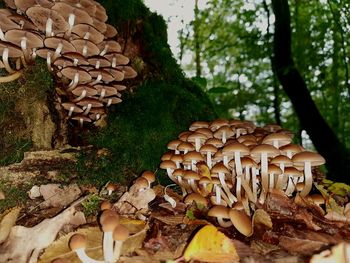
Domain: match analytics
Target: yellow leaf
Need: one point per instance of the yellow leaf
(204, 171)
(339, 189)
(8, 220)
(210, 245)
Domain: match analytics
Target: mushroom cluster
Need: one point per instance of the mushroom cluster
(233, 163)
(78, 45)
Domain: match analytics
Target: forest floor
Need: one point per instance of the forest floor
(283, 229)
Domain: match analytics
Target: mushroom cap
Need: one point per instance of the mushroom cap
(23, 5)
(317, 199)
(106, 76)
(189, 174)
(111, 186)
(292, 171)
(216, 124)
(108, 213)
(111, 45)
(77, 241)
(14, 51)
(76, 56)
(119, 58)
(246, 137)
(104, 62)
(120, 233)
(315, 159)
(112, 100)
(107, 89)
(183, 146)
(241, 221)
(273, 169)
(39, 15)
(219, 211)
(167, 164)
(99, 25)
(10, 3)
(111, 31)
(214, 141)
(177, 158)
(53, 42)
(264, 148)
(208, 148)
(68, 105)
(196, 135)
(272, 127)
(167, 156)
(206, 131)
(195, 197)
(149, 175)
(128, 72)
(293, 148)
(21, 20)
(118, 86)
(248, 162)
(85, 44)
(281, 159)
(183, 135)
(90, 90)
(220, 168)
(81, 117)
(172, 145)
(105, 205)
(225, 129)
(66, 10)
(70, 71)
(193, 156)
(45, 52)
(7, 23)
(100, 12)
(178, 172)
(15, 36)
(236, 147)
(87, 101)
(281, 138)
(116, 73)
(141, 183)
(109, 223)
(82, 30)
(198, 124)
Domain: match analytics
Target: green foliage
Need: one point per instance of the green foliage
(140, 128)
(15, 195)
(91, 205)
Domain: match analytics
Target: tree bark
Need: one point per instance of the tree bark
(322, 136)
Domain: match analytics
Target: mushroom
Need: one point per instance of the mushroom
(76, 75)
(191, 177)
(59, 44)
(172, 145)
(77, 243)
(109, 46)
(221, 213)
(85, 47)
(149, 176)
(140, 184)
(120, 234)
(198, 124)
(105, 205)
(86, 31)
(117, 59)
(197, 198)
(209, 150)
(223, 133)
(293, 175)
(277, 139)
(178, 174)
(241, 221)
(72, 108)
(273, 171)
(108, 225)
(82, 91)
(222, 170)
(282, 161)
(290, 149)
(170, 166)
(193, 157)
(197, 139)
(111, 187)
(216, 124)
(9, 50)
(264, 151)
(307, 159)
(177, 159)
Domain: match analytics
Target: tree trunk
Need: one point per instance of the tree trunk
(324, 139)
(196, 40)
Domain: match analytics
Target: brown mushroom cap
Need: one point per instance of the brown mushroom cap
(76, 56)
(77, 241)
(92, 101)
(219, 211)
(195, 197)
(183, 135)
(216, 124)
(241, 221)
(292, 148)
(23, 5)
(53, 42)
(220, 168)
(281, 159)
(69, 105)
(214, 141)
(66, 10)
(167, 164)
(85, 47)
(33, 40)
(150, 176)
(111, 31)
(117, 59)
(129, 72)
(117, 74)
(193, 156)
(167, 156)
(99, 60)
(109, 223)
(314, 158)
(277, 139)
(110, 46)
(14, 51)
(120, 233)
(106, 76)
(198, 124)
(87, 31)
(106, 214)
(185, 146)
(39, 16)
(189, 174)
(105, 205)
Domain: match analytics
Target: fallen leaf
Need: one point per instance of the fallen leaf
(300, 246)
(338, 254)
(8, 220)
(210, 245)
(339, 189)
(261, 220)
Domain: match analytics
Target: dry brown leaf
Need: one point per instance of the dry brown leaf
(300, 246)
(261, 220)
(262, 247)
(8, 220)
(339, 254)
(170, 220)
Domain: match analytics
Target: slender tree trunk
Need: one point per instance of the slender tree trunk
(196, 40)
(276, 88)
(324, 139)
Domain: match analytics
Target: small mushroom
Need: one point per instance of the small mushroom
(221, 213)
(197, 198)
(120, 234)
(241, 221)
(111, 187)
(77, 243)
(108, 226)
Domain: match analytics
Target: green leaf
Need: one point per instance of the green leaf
(201, 82)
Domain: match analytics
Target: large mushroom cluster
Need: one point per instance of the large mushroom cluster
(78, 45)
(233, 163)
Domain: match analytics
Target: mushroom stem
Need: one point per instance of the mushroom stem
(5, 60)
(82, 96)
(238, 187)
(18, 64)
(254, 185)
(57, 52)
(247, 190)
(108, 246)
(48, 61)
(279, 183)
(11, 77)
(194, 187)
(291, 185)
(104, 51)
(225, 160)
(264, 177)
(230, 196)
(24, 48)
(197, 143)
(48, 29)
(209, 163)
(117, 249)
(97, 80)
(87, 109)
(238, 164)
(224, 223)
(74, 82)
(183, 188)
(2, 35)
(218, 194)
(109, 102)
(24, 62)
(308, 179)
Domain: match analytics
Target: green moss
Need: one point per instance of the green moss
(16, 99)
(15, 195)
(140, 128)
